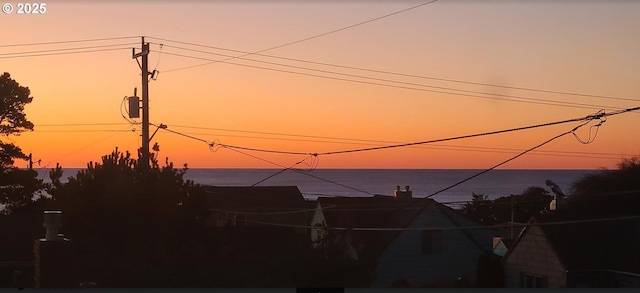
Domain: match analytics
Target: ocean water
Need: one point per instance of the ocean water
(366, 182)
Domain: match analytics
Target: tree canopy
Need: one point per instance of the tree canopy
(626, 178)
(17, 187)
(605, 193)
(490, 212)
(608, 193)
(13, 120)
(124, 220)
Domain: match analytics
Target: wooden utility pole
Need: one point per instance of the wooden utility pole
(144, 160)
(511, 217)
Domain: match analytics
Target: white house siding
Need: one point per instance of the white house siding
(498, 247)
(318, 220)
(403, 258)
(534, 255)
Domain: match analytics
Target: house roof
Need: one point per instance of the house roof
(595, 233)
(608, 245)
(255, 198)
(371, 212)
(382, 212)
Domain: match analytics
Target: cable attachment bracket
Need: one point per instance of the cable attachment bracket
(602, 116)
(214, 145)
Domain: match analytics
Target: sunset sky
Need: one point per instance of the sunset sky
(354, 80)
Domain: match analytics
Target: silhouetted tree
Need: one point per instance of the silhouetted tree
(17, 187)
(625, 178)
(525, 205)
(480, 209)
(124, 220)
(21, 193)
(608, 192)
(13, 120)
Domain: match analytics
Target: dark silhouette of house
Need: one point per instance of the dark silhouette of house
(593, 242)
(414, 242)
(17, 233)
(258, 206)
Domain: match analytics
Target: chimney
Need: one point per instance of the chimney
(52, 222)
(403, 194)
(53, 263)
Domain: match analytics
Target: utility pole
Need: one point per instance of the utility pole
(511, 217)
(144, 159)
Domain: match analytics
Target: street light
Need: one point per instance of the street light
(558, 196)
(154, 133)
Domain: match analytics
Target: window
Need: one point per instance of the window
(221, 219)
(241, 220)
(531, 281)
(431, 241)
(236, 219)
(231, 219)
(624, 284)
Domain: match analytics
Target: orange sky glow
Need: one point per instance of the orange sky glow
(457, 68)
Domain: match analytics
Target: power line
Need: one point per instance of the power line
(64, 49)
(446, 228)
(312, 37)
(394, 81)
(265, 150)
(278, 134)
(64, 53)
(523, 99)
(395, 73)
(68, 41)
(599, 115)
(292, 59)
(383, 206)
(256, 157)
(343, 140)
(552, 153)
(84, 147)
(366, 207)
(264, 213)
(80, 124)
(304, 173)
(333, 182)
(279, 172)
(84, 130)
(508, 160)
(603, 119)
(182, 134)
(213, 144)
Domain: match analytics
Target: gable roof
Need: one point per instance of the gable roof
(255, 198)
(385, 212)
(599, 234)
(610, 245)
(371, 212)
(475, 235)
(594, 233)
(593, 241)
